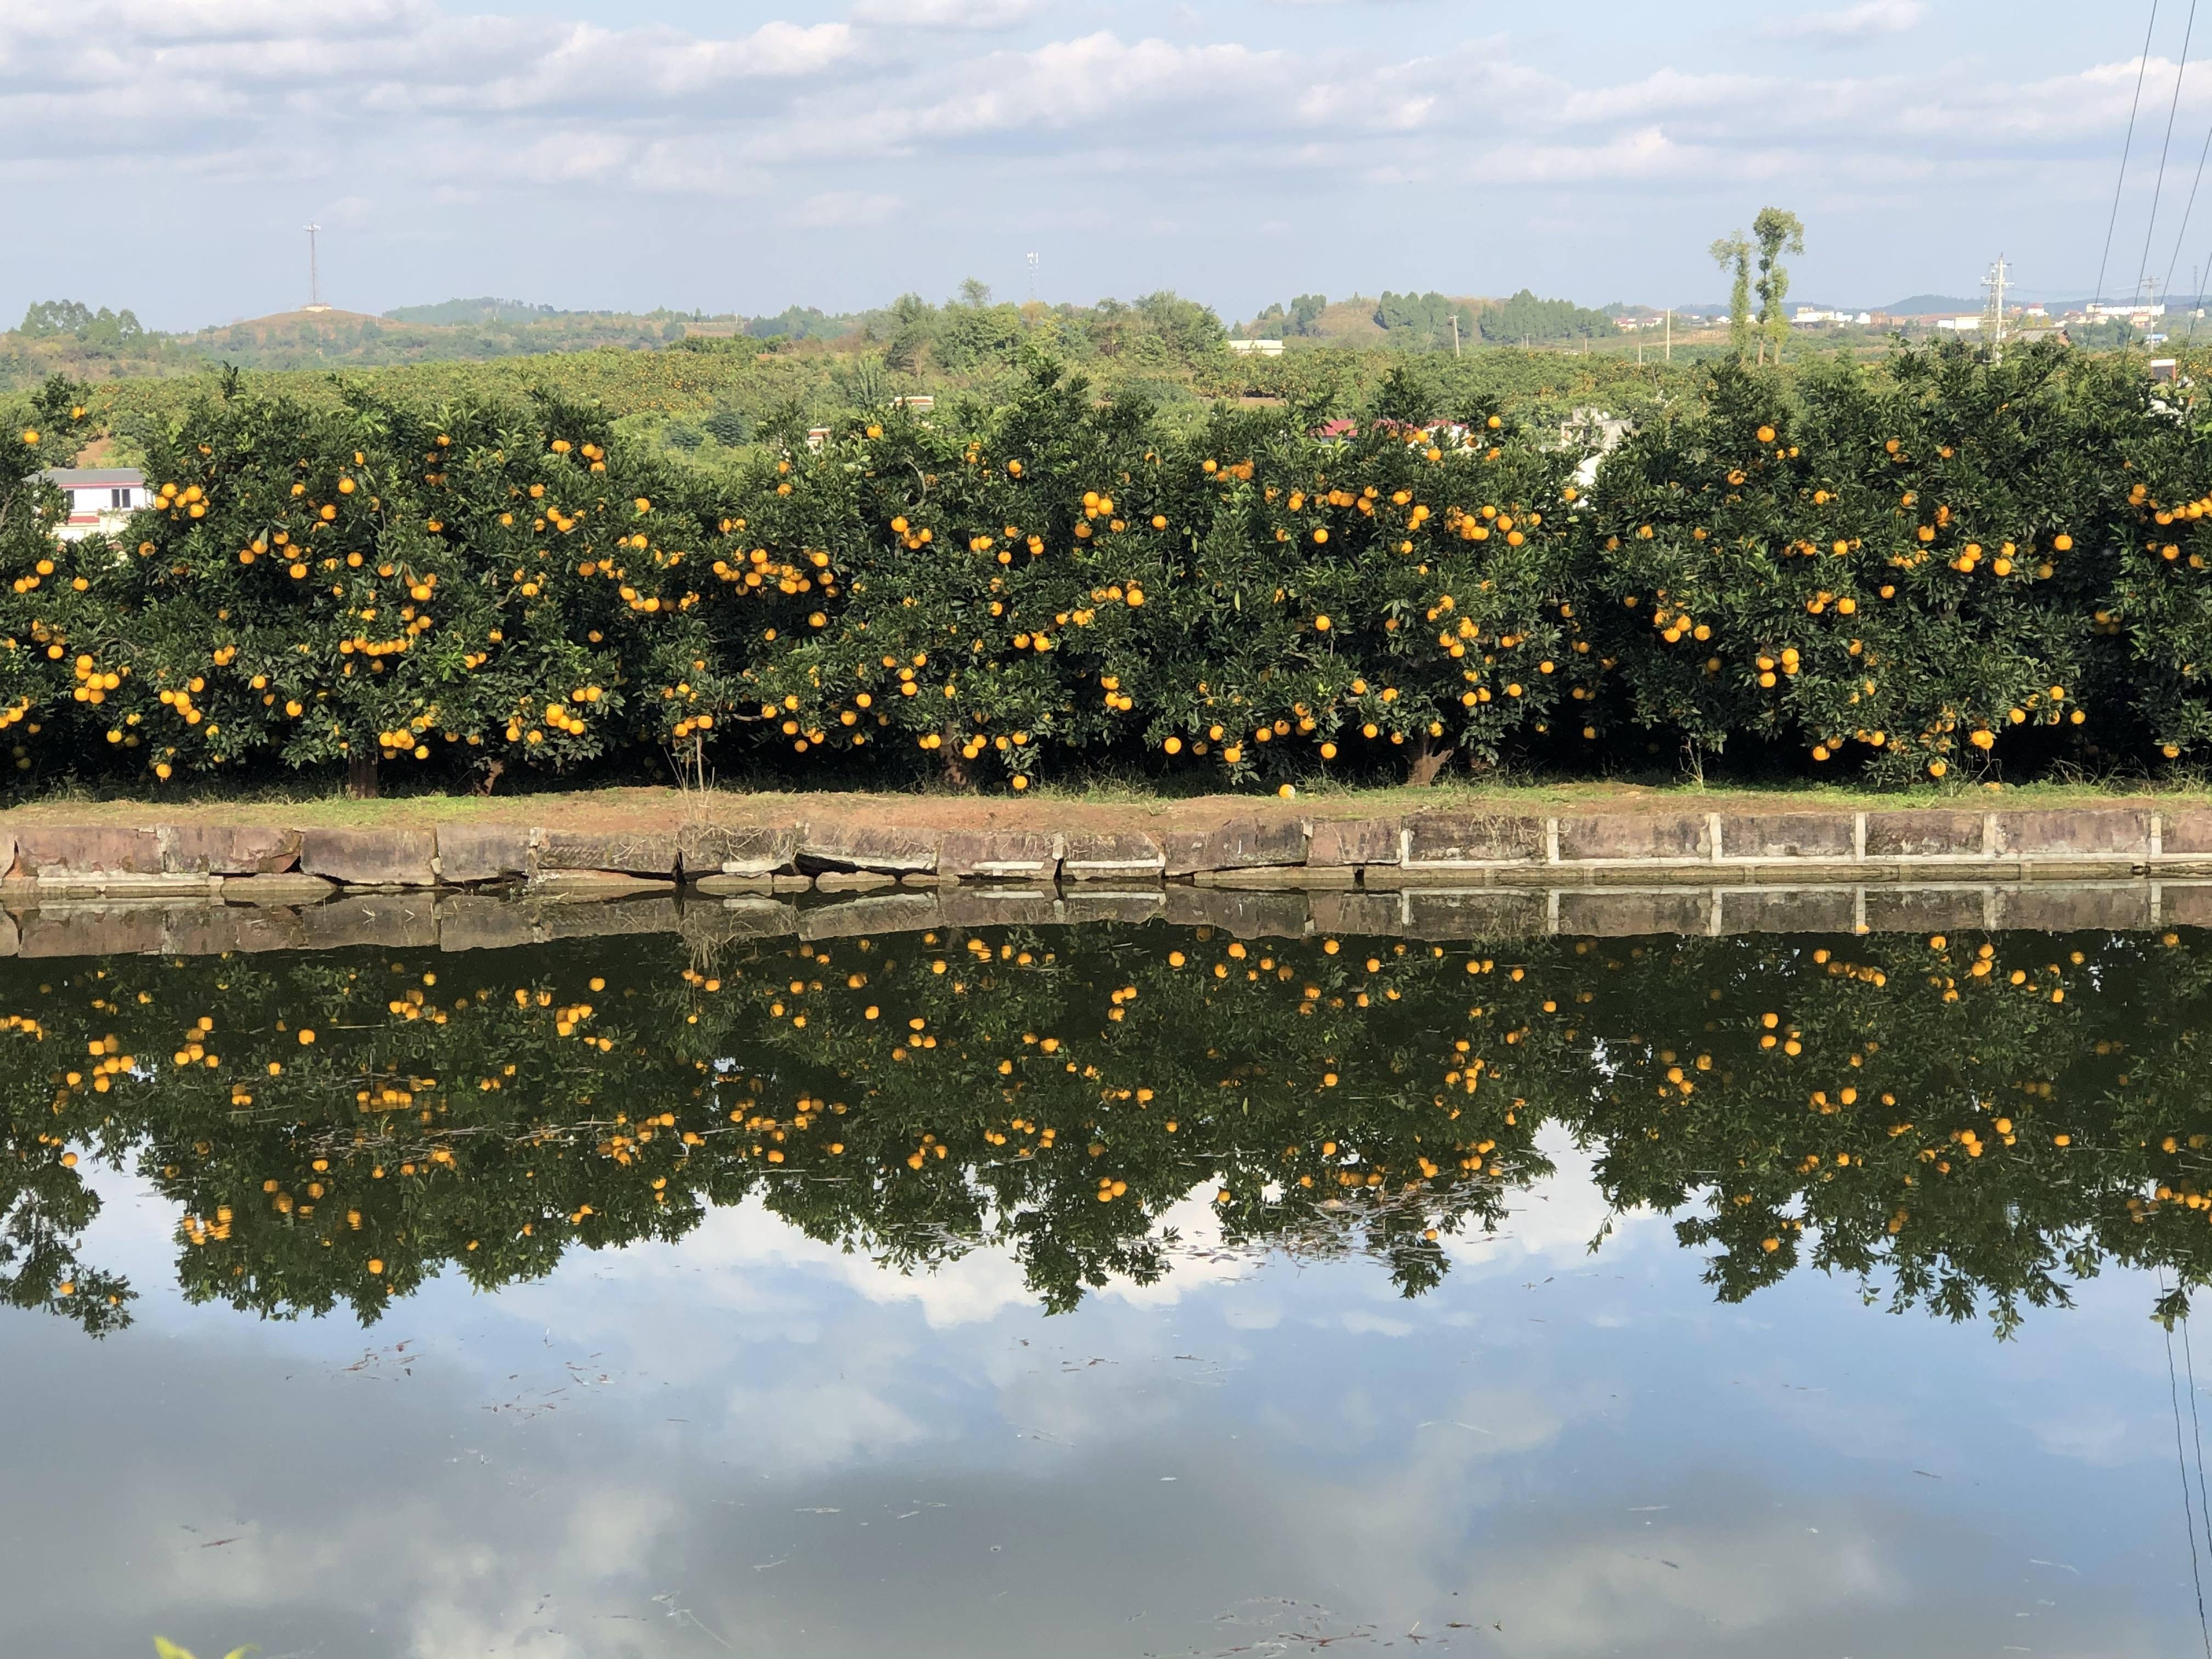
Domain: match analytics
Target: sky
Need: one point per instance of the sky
(747, 154)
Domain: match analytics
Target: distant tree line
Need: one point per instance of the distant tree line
(1424, 322)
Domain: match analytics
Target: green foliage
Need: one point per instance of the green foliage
(1732, 253)
(47, 318)
(1778, 232)
(1423, 322)
(1525, 319)
(727, 427)
(1298, 321)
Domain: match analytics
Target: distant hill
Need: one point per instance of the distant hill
(447, 313)
(1928, 304)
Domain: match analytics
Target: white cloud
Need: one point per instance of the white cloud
(459, 130)
(945, 14)
(1865, 22)
(1074, 83)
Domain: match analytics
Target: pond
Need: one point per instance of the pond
(1112, 1289)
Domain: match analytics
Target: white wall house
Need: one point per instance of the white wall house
(99, 497)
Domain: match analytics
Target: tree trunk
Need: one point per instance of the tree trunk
(360, 775)
(1426, 760)
(957, 773)
(487, 775)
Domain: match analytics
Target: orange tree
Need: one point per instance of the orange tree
(1947, 566)
(371, 582)
(1068, 577)
(35, 678)
(1903, 571)
(1428, 573)
(991, 576)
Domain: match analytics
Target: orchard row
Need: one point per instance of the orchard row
(1938, 568)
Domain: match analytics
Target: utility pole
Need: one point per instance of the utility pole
(1454, 334)
(1993, 286)
(314, 272)
(1670, 334)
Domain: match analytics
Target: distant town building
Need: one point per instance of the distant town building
(2135, 310)
(1959, 324)
(1812, 316)
(99, 497)
(1256, 348)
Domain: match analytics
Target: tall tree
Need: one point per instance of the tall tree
(1732, 252)
(1779, 232)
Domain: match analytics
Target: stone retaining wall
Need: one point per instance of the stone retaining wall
(1737, 847)
(456, 921)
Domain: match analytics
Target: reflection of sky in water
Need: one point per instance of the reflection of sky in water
(754, 1444)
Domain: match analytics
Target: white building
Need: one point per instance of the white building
(1959, 324)
(100, 498)
(1256, 348)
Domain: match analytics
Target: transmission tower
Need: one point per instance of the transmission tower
(1993, 311)
(314, 272)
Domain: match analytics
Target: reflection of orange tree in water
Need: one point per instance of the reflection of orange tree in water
(339, 1133)
(1978, 1126)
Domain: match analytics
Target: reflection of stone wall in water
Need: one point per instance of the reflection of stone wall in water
(1972, 1120)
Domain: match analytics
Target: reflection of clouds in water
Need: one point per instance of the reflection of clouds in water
(1557, 1218)
(816, 1425)
(723, 1262)
(1613, 1590)
(2108, 1442)
(731, 1247)
(1327, 1440)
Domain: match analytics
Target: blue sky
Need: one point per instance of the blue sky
(747, 155)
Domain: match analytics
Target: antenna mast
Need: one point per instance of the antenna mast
(314, 272)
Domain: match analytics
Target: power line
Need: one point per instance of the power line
(2126, 145)
(2197, 1430)
(2181, 1460)
(2180, 69)
(2182, 235)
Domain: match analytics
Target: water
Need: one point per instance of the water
(616, 1298)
